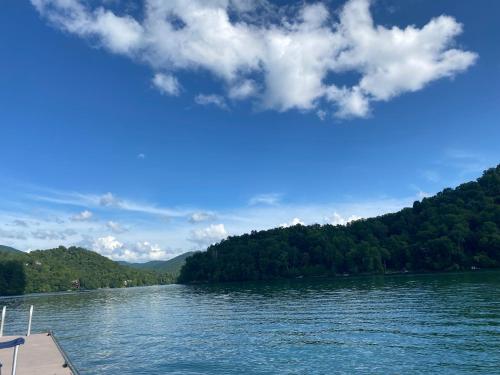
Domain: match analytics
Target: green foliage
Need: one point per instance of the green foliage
(8, 249)
(71, 268)
(12, 277)
(455, 230)
(172, 266)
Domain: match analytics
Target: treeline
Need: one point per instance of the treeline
(71, 268)
(458, 229)
(172, 266)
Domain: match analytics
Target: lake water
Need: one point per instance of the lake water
(446, 324)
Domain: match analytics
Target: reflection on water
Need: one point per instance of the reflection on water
(447, 324)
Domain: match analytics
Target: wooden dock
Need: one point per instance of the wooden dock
(40, 355)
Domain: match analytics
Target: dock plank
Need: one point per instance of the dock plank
(38, 356)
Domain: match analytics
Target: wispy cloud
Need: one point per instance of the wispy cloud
(467, 161)
(431, 175)
(199, 217)
(128, 230)
(212, 99)
(107, 200)
(270, 199)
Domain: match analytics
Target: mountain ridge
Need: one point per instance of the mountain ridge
(8, 249)
(72, 268)
(456, 229)
(171, 266)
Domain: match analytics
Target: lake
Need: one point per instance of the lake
(418, 324)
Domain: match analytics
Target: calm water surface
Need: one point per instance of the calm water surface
(446, 324)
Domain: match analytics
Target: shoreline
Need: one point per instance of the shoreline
(339, 277)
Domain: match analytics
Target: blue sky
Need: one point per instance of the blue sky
(145, 129)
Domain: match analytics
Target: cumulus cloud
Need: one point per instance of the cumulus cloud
(295, 221)
(209, 235)
(107, 244)
(82, 216)
(337, 219)
(294, 56)
(112, 248)
(167, 84)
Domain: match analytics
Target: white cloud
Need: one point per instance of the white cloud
(167, 84)
(265, 199)
(243, 90)
(109, 199)
(112, 248)
(295, 221)
(209, 235)
(82, 216)
(295, 53)
(211, 99)
(119, 34)
(337, 219)
(141, 156)
(148, 251)
(107, 246)
(198, 217)
(135, 223)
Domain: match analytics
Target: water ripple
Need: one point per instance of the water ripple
(447, 324)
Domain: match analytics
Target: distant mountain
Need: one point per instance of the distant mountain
(64, 269)
(457, 229)
(172, 266)
(8, 249)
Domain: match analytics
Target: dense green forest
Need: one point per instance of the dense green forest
(458, 229)
(63, 269)
(172, 266)
(8, 249)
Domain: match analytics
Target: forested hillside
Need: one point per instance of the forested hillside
(172, 266)
(63, 269)
(457, 229)
(8, 249)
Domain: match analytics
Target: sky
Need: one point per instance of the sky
(144, 129)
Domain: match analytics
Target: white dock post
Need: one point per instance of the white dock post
(14, 360)
(29, 322)
(3, 320)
